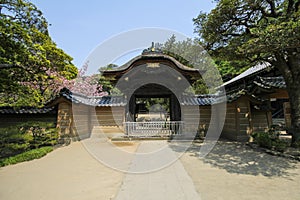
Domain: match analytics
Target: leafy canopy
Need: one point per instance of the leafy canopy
(26, 53)
(252, 30)
(258, 31)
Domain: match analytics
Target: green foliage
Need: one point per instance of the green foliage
(230, 69)
(250, 29)
(296, 144)
(107, 86)
(263, 139)
(189, 52)
(25, 44)
(155, 104)
(255, 31)
(270, 140)
(26, 156)
(17, 139)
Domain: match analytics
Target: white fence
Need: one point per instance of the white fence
(152, 129)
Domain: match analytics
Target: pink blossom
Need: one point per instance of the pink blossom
(86, 85)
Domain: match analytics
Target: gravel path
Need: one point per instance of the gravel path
(67, 173)
(230, 171)
(234, 171)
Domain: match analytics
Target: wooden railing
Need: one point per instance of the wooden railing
(153, 129)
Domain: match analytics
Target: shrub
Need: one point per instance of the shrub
(297, 144)
(13, 141)
(270, 140)
(263, 139)
(280, 145)
(26, 156)
(23, 137)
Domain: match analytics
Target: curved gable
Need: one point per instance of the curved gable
(153, 60)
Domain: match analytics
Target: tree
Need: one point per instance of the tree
(83, 84)
(107, 86)
(26, 53)
(258, 31)
(191, 54)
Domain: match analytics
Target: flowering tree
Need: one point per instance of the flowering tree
(26, 52)
(86, 85)
(54, 82)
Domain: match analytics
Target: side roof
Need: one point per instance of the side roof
(252, 71)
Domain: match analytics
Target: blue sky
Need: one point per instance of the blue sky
(80, 26)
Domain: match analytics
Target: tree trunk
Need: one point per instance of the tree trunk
(289, 67)
(294, 94)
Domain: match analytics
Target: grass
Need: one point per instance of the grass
(26, 156)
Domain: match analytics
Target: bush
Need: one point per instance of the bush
(26, 136)
(263, 139)
(26, 156)
(270, 140)
(44, 134)
(13, 141)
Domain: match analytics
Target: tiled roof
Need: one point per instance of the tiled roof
(94, 101)
(202, 100)
(251, 71)
(151, 55)
(261, 82)
(271, 82)
(191, 101)
(26, 110)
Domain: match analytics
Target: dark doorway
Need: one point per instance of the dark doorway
(153, 102)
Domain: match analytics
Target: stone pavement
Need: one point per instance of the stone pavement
(168, 181)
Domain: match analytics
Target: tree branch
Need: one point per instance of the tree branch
(290, 7)
(297, 6)
(284, 68)
(272, 7)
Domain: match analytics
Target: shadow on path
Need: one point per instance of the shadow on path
(239, 158)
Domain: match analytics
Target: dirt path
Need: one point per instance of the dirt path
(67, 173)
(231, 171)
(235, 172)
